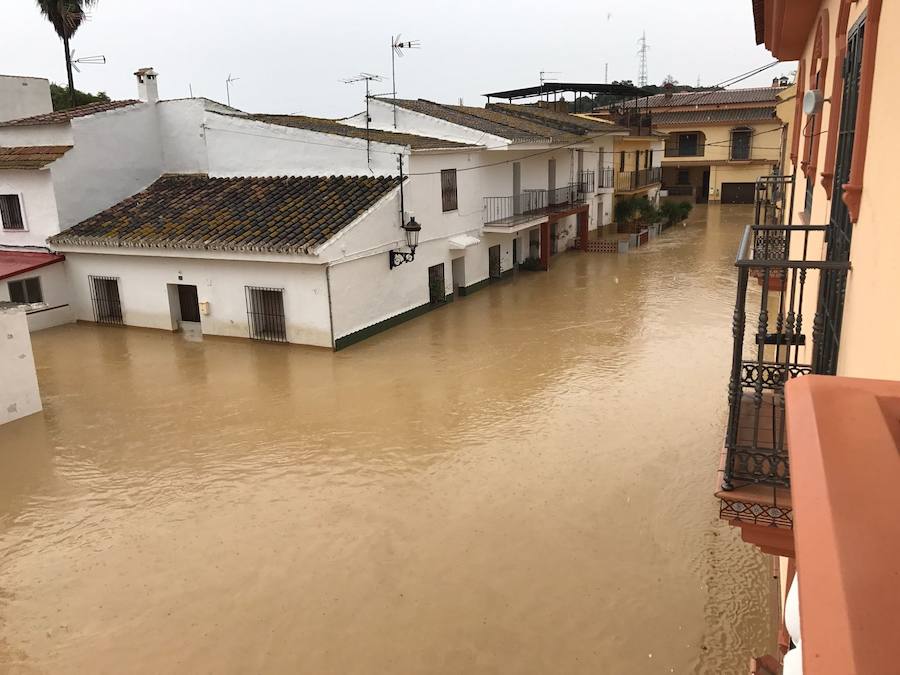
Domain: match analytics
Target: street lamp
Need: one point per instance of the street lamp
(412, 229)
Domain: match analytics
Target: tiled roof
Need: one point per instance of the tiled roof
(327, 126)
(61, 116)
(283, 215)
(562, 120)
(19, 262)
(497, 120)
(665, 119)
(31, 157)
(714, 97)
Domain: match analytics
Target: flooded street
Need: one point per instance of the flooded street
(519, 482)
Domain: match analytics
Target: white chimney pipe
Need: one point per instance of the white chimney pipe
(147, 86)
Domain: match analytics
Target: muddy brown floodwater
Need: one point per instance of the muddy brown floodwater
(519, 482)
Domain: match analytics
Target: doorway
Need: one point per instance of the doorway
(554, 244)
(458, 270)
(515, 260)
(703, 197)
(494, 262)
(838, 235)
(188, 303)
(436, 288)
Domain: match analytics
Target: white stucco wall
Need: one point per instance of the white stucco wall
(23, 97)
(182, 135)
(241, 147)
(19, 394)
(57, 309)
(117, 154)
(36, 197)
(41, 134)
(144, 292)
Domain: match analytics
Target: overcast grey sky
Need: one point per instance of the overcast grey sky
(291, 55)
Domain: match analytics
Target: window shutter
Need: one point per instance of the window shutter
(33, 289)
(448, 190)
(11, 213)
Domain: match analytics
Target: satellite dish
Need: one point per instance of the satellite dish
(812, 101)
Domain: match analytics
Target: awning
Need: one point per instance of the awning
(463, 241)
(19, 262)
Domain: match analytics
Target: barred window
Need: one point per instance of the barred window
(265, 314)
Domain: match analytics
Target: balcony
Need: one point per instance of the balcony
(756, 473)
(585, 182)
(696, 148)
(631, 181)
(515, 210)
(606, 178)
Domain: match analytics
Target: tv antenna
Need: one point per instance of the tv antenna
(367, 78)
(548, 76)
(98, 60)
(228, 81)
(397, 47)
(642, 52)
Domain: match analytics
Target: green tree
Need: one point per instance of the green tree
(66, 16)
(63, 100)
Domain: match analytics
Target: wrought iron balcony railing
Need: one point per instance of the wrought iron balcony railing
(585, 182)
(697, 149)
(530, 204)
(773, 193)
(606, 178)
(627, 181)
(765, 358)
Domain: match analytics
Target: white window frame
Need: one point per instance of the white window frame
(21, 210)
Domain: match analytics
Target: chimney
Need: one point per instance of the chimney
(776, 82)
(147, 86)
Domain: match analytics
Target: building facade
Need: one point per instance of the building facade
(492, 189)
(811, 447)
(719, 141)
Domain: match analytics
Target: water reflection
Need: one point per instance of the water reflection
(517, 482)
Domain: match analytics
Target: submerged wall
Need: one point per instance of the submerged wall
(19, 394)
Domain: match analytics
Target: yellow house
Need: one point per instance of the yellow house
(811, 462)
(635, 167)
(719, 141)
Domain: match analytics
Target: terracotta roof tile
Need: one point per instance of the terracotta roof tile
(516, 123)
(327, 126)
(713, 97)
(62, 116)
(664, 119)
(31, 157)
(283, 215)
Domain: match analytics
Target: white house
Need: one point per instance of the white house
(24, 97)
(295, 228)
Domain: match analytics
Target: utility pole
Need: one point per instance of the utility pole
(642, 72)
(606, 73)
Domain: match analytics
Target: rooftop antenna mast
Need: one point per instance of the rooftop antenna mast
(98, 60)
(642, 52)
(366, 77)
(228, 82)
(548, 76)
(397, 47)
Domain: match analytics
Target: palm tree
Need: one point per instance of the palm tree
(66, 17)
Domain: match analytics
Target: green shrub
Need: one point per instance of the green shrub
(624, 210)
(684, 210)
